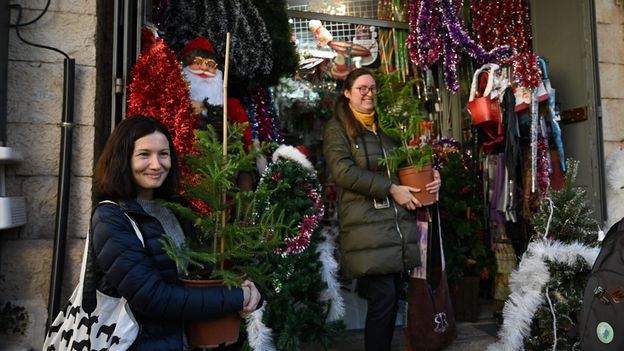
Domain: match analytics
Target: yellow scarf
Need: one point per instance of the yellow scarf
(367, 119)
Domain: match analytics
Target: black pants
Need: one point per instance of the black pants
(383, 293)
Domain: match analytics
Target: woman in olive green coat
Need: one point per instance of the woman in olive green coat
(378, 233)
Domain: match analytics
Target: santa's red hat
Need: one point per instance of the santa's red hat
(303, 150)
(197, 43)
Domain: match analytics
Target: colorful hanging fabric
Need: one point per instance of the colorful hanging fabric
(554, 118)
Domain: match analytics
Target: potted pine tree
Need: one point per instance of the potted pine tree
(230, 237)
(400, 117)
(467, 256)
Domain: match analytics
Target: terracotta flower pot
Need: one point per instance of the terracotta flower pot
(211, 333)
(408, 176)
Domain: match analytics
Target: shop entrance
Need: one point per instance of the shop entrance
(564, 32)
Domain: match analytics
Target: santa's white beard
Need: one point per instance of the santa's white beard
(202, 88)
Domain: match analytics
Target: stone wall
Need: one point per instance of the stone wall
(35, 96)
(610, 18)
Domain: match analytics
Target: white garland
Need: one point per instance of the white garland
(260, 336)
(527, 283)
(329, 274)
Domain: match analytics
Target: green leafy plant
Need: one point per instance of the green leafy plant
(227, 229)
(399, 117)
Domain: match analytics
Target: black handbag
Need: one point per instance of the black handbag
(431, 323)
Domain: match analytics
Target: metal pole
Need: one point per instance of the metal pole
(62, 204)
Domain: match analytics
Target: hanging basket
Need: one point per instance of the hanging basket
(211, 333)
(410, 177)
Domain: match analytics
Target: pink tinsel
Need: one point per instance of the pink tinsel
(542, 166)
(307, 225)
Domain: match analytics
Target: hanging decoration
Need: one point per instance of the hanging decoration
(250, 46)
(158, 89)
(534, 137)
(367, 37)
(526, 70)
(248, 104)
(269, 130)
(499, 23)
(386, 48)
(435, 29)
(275, 16)
(543, 166)
(343, 62)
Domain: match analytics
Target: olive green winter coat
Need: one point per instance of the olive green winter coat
(372, 241)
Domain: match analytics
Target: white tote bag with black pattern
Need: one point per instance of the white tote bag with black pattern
(110, 326)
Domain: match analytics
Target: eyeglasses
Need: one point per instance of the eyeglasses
(365, 90)
(199, 61)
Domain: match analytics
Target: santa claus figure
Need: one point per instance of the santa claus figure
(202, 69)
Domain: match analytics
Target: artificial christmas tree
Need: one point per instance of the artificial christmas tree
(547, 288)
(304, 304)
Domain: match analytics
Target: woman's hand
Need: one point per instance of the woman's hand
(251, 299)
(434, 187)
(402, 194)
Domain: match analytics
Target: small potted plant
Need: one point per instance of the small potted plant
(230, 236)
(400, 117)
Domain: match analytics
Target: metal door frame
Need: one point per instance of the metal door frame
(130, 15)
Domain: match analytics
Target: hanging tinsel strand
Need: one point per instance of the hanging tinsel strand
(435, 29)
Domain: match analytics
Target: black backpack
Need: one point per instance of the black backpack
(603, 301)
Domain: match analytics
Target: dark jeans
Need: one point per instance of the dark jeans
(383, 293)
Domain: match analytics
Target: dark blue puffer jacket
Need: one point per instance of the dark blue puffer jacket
(148, 278)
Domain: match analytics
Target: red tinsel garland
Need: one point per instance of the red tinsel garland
(507, 22)
(500, 23)
(526, 70)
(543, 166)
(159, 90)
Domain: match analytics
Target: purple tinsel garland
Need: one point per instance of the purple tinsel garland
(448, 142)
(435, 29)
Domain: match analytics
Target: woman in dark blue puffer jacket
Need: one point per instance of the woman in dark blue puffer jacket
(138, 165)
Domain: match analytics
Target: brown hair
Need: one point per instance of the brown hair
(354, 128)
(113, 179)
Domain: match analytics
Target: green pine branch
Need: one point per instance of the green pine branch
(244, 235)
(399, 116)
